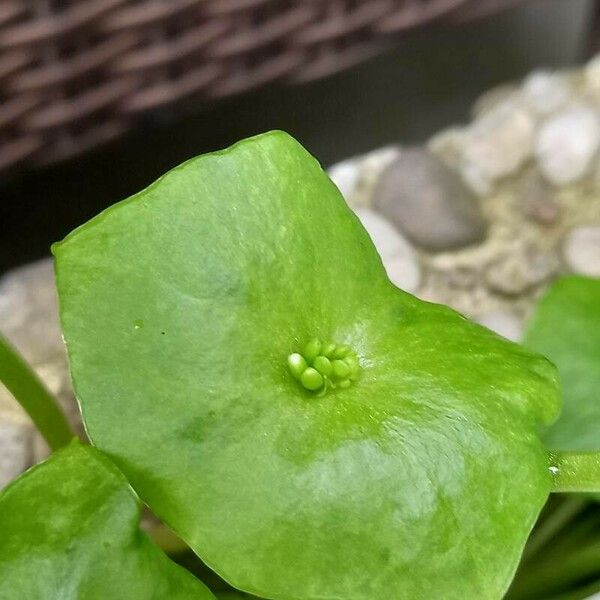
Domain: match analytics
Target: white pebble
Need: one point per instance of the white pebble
(500, 141)
(582, 250)
(476, 180)
(403, 271)
(377, 160)
(495, 97)
(447, 145)
(345, 176)
(567, 144)
(546, 92)
(592, 74)
(398, 256)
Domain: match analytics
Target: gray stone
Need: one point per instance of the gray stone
(429, 202)
(582, 250)
(372, 165)
(398, 256)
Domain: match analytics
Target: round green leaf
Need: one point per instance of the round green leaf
(418, 477)
(566, 329)
(69, 529)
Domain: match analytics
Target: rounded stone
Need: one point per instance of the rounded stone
(345, 175)
(475, 178)
(495, 97)
(592, 74)
(398, 256)
(500, 141)
(29, 311)
(567, 143)
(582, 250)
(546, 92)
(429, 203)
(447, 145)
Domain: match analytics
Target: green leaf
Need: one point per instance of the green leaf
(414, 470)
(69, 530)
(566, 329)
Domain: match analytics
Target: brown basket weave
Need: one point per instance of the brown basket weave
(77, 73)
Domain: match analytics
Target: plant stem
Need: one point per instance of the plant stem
(22, 382)
(575, 471)
(166, 539)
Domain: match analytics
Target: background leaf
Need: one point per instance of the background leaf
(180, 307)
(70, 531)
(566, 329)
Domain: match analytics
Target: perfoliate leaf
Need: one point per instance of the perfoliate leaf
(405, 466)
(69, 530)
(566, 329)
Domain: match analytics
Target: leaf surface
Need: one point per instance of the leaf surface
(69, 530)
(180, 306)
(566, 329)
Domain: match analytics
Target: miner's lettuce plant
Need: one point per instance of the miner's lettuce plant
(308, 429)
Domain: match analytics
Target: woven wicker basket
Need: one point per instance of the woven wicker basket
(77, 73)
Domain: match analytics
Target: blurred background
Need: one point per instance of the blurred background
(99, 97)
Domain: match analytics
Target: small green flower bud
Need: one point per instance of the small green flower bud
(323, 365)
(328, 349)
(341, 352)
(296, 364)
(311, 379)
(340, 369)
(352, 362)
(312, 350)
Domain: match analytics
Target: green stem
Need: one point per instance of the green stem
(575, 471)
(166, 539)
(30, 393)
